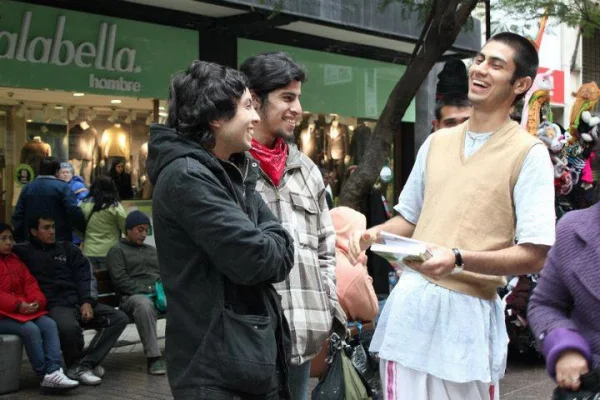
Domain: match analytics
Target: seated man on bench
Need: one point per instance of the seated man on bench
(133, 268)
(65, 276)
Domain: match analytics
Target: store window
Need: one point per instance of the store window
(97, 135)
(337, 144)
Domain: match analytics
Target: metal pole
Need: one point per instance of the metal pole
(488, 20)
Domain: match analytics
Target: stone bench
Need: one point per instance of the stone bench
(11, 354)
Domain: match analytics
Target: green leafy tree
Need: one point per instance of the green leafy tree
(583, 14)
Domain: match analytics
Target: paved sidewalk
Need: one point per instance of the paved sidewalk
(126, 377)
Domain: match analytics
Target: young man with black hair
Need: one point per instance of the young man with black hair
(47, 194)
(219, 247)
(451, 110)
(66, 278)
(474, 190)
(292, 186)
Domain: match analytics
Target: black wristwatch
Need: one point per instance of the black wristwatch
(459, 265)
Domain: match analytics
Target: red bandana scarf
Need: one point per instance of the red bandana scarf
(272, 161)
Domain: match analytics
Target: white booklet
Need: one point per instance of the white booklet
(397, 249)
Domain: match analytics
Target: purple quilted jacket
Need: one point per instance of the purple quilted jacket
(564, 310)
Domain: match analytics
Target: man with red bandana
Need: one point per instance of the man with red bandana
(292, 186)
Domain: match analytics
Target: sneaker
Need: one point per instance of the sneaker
(99, 371)
(57, 381)
(84, 376)
(156, 366)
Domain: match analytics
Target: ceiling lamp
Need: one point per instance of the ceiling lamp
(114, 116)
(72, 113)
(46, 112)
(78, 94)
(131, 116)
(20, 110)
(91, 114)
(115, 101)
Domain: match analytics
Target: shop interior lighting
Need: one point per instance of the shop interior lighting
(115, 101)
(58, 107)
(161, 108)
(29, 120)
(114, 116)
(91, 114)
(46, 112)
(78, 94)
(20, 110)
(131, 116)
(72, 113)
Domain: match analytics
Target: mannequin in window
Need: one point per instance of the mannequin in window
(121, 178)
(83, 150)
(337, 141)
(33, 151)
(307, 141)
(115, 145)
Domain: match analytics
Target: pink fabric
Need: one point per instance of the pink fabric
(391, 381)
(354, 285)
(587, 175)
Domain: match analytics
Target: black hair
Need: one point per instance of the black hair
(103, 192)
(457, 99)
(526, 57)
(5, 227)
(267, 72)
(49, 166)
(203, 93)
(34, 222)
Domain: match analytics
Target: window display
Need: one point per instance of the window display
(95, 141)
(337, 144)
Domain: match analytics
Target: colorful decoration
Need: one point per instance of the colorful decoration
(537, 103)
(570, 149)
(585, 99)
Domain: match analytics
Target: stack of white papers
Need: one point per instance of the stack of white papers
(397, 249)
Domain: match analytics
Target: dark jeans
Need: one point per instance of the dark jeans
(99, 263)
(40, 338)
(300, 381)
(108, 322)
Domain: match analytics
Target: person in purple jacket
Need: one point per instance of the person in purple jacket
(564, 310)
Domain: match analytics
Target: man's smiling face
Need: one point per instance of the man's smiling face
(491, 76)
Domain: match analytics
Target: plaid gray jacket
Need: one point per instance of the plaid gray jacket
(308, 294)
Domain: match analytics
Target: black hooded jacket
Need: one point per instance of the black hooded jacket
(62, 271)
(219, 250)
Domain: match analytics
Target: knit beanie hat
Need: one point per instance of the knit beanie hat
(136, 218)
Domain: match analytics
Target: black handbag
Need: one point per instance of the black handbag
(331, 386)
(589, 390)
(343, 380)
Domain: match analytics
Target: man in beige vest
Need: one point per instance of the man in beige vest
(475, 190)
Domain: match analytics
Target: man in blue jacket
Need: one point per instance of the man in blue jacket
(50, 196)
(65, 276)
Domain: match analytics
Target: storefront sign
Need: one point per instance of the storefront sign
(43, 47)
(337, 84)
(23, 174)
